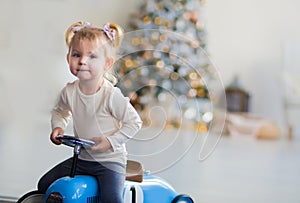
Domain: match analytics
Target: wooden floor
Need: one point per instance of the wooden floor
(239, 168)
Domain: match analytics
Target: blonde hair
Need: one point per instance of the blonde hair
(84, 30)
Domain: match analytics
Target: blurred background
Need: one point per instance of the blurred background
(252, 46)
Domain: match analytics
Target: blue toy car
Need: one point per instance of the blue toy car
(140, 187)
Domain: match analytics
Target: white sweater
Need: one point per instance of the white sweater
(105, 113)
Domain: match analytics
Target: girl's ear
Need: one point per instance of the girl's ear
(67, 57)
(109, 63)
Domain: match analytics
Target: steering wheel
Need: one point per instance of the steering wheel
(72, 141)
(77, 144)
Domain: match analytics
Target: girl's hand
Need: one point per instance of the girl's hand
(102, 144)
(55, 132)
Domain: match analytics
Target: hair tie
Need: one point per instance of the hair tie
(109, 32)
(79, 27)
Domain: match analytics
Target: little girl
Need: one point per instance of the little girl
(99, 110)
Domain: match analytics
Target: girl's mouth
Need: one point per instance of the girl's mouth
(82, 69)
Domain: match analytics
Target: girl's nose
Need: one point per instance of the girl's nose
(83, 60)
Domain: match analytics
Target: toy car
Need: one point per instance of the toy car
(140, 186)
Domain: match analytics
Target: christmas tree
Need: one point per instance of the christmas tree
(164, 62)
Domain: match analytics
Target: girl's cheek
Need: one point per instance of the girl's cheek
(73, 69)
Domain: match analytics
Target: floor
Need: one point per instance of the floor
(227, 169)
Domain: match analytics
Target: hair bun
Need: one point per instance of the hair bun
(70, 32)
(118, 33)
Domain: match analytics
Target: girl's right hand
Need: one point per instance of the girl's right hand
(55, 132)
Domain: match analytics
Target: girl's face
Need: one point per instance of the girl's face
(87, 60)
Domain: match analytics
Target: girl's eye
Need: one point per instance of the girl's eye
(76, 55)
(93, 56)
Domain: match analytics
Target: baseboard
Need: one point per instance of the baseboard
(7, 199)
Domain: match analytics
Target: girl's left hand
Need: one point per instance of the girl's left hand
(102, 144)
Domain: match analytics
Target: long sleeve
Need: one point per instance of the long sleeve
(61, 113)
(124, 112)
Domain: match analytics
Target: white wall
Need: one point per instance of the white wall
(32, 51)
(247, 38)
(244, 38)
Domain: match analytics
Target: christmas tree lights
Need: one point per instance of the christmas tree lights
(163, 62)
